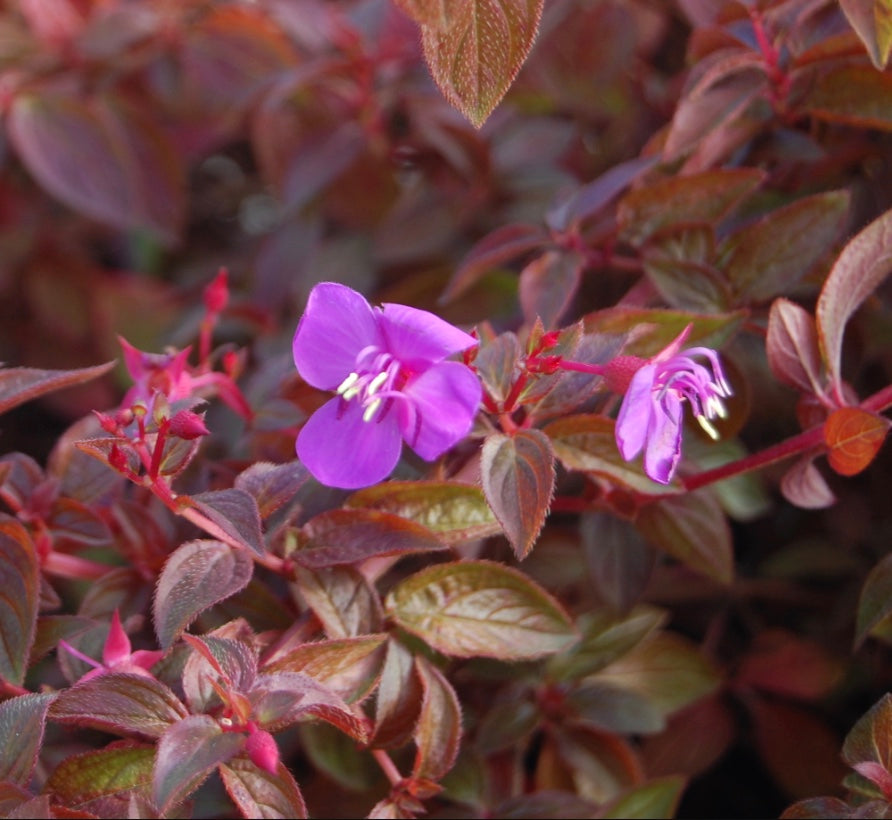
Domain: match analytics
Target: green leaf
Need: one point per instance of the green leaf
(666, 668)
(187, 753)
(349, 536)
(119, 703)
(768, 257)
(117, 769)
(863, 264)
(476, 55)
(196, 576)
(684, 201)
(692, 528)
(657, 798)
(438, 731)
(518, 481)
(350, 667)
(875, 602)
(587, 443)
(473, 608)
(21, 384)
(341, 598)
(233, 510)
(258, 793)
(453, 511)
(19, 579)
(22, 722)
(614, 709)
(604, 640)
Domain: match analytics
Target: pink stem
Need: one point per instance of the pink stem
(72, 566)
(388, 766)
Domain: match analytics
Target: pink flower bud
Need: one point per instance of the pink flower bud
(188, 425)
(216, 294)
(262, 750)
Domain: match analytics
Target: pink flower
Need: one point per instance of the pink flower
(388, 368)
(650, 418)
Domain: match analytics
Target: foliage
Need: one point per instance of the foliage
(593, 196)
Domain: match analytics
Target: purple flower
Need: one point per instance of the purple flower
(650, 418)
(387, 366)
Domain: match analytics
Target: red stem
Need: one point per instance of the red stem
(388, 766)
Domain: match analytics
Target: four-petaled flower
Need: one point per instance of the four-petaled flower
(388, 367)
(650, 417)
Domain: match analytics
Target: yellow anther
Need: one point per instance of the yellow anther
(345, 386)
(371, 410)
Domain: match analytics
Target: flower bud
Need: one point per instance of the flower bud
(188, 425)
(262, 749)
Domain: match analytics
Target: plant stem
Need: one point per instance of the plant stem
(388, 766)
(73, 566)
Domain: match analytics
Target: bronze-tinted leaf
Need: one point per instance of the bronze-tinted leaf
(341, 598)
(483, 608)
(518, 480)
(197, 576)
(22, 722)
(233, 510)
(259, 793)
(119, 768)
(399, 698)
(854, 437)
(21, 384)
(18, 607)
(792, 347)
(438, 731)
(476, 55)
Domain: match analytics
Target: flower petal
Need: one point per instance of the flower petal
(445, 399)
(419, 337)
(342, 450)
(338, 322)
(634, 417)
(664, 440)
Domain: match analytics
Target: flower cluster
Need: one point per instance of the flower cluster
(388, 368)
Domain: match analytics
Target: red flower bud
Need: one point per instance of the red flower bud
(619, 372)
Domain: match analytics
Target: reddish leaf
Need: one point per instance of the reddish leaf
(792, 347)
(861, 267)
(258, 793)
(272, 485)
(348, 536)
(496, 364)
(22, 722)
(799, 750)
(233, 510)
(197, 576)
(854, 437)
(453, 511)
(548, 285)
(282, 698)
(518, 480)
(768, 257)
(341, 598)
(676, 202)
(119, 703)
(804, 486)
(399, 698)
(18, 616)
(117, 769)
(476, 56)
(438, 731)
(21, 384)
(613, 709)
(872, 20)
(853, 93)
(480, 608)
(781, 662)
(692, 528)
(101, 156)
(502, 245)
(350, 667)
(227, 661)
(187, 753)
